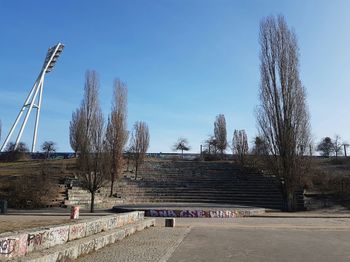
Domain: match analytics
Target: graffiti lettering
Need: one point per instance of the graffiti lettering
(7, 246)
(192, 213)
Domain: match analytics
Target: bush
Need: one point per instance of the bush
(30, 191)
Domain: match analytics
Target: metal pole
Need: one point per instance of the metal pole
(37, 116)
(31, 98)
(19, 116)
(28, 113)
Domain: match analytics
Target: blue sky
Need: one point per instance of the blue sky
(184, 62)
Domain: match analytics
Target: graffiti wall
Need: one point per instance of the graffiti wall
(13, 246)
(39, 240)
(20, 243)
(193, 213)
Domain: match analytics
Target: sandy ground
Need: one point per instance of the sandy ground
(24, 219)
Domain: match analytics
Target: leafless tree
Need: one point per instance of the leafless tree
(282, 117)
(14, 153)
(117, 134)
(75, 130)
(139, 143)
(48, 147)
(92, 158)
(182, 145)
(337, 146)
(129, 154)
(210, 145)
(240, 145)
(0, 129)
(220, 133)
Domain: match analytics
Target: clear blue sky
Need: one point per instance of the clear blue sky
(184, 62)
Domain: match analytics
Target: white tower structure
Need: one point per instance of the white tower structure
(34, 98)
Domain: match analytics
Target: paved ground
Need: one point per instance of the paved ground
(150, 245)
(233, 244)
(241, 239)
(274, 237)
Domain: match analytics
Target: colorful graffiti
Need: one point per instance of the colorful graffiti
(192, 213)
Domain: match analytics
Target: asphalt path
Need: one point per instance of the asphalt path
(240, 239)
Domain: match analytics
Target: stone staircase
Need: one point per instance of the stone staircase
(77, 196)
(200, 182)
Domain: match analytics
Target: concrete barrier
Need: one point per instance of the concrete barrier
(194, 213)
(20, 243)
(39, 239)
(83, 246)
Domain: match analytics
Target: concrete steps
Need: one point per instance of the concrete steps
(202, 182)
(68, 241)
(74, 249)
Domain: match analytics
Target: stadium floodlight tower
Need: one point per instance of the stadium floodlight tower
(35, 97)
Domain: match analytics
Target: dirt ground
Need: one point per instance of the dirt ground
(14, 223)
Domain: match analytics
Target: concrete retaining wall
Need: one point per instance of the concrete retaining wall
(16, 244)
(204, 213)
(73, 250)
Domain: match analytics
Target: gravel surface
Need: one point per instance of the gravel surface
(153, 244)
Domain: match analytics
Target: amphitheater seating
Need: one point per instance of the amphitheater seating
(200, 182)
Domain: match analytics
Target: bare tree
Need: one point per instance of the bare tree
(129, 154)
(211, 145)
(48, 147)
(337, 146)
(92, 158)
(14, 153)
(240, 145)
(182, 145)
(220, 133)
(326, 147)
(117, 134)
(75, 130)
(282, 116)
(139, 143)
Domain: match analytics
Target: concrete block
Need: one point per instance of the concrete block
(170, 222)
(94, 227)
(85, 247)
(77, 231)
(111, 222)
(13, 246)
(17, 244)
(39, 239)
(130, 229)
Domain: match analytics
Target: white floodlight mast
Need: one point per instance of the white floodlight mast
(35, 97)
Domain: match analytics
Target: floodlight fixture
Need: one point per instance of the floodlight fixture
(34, 98)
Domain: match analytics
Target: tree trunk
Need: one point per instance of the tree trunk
(92, 204)
(136, 170)
(127, 166)
(112, 186)
(290, 202)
